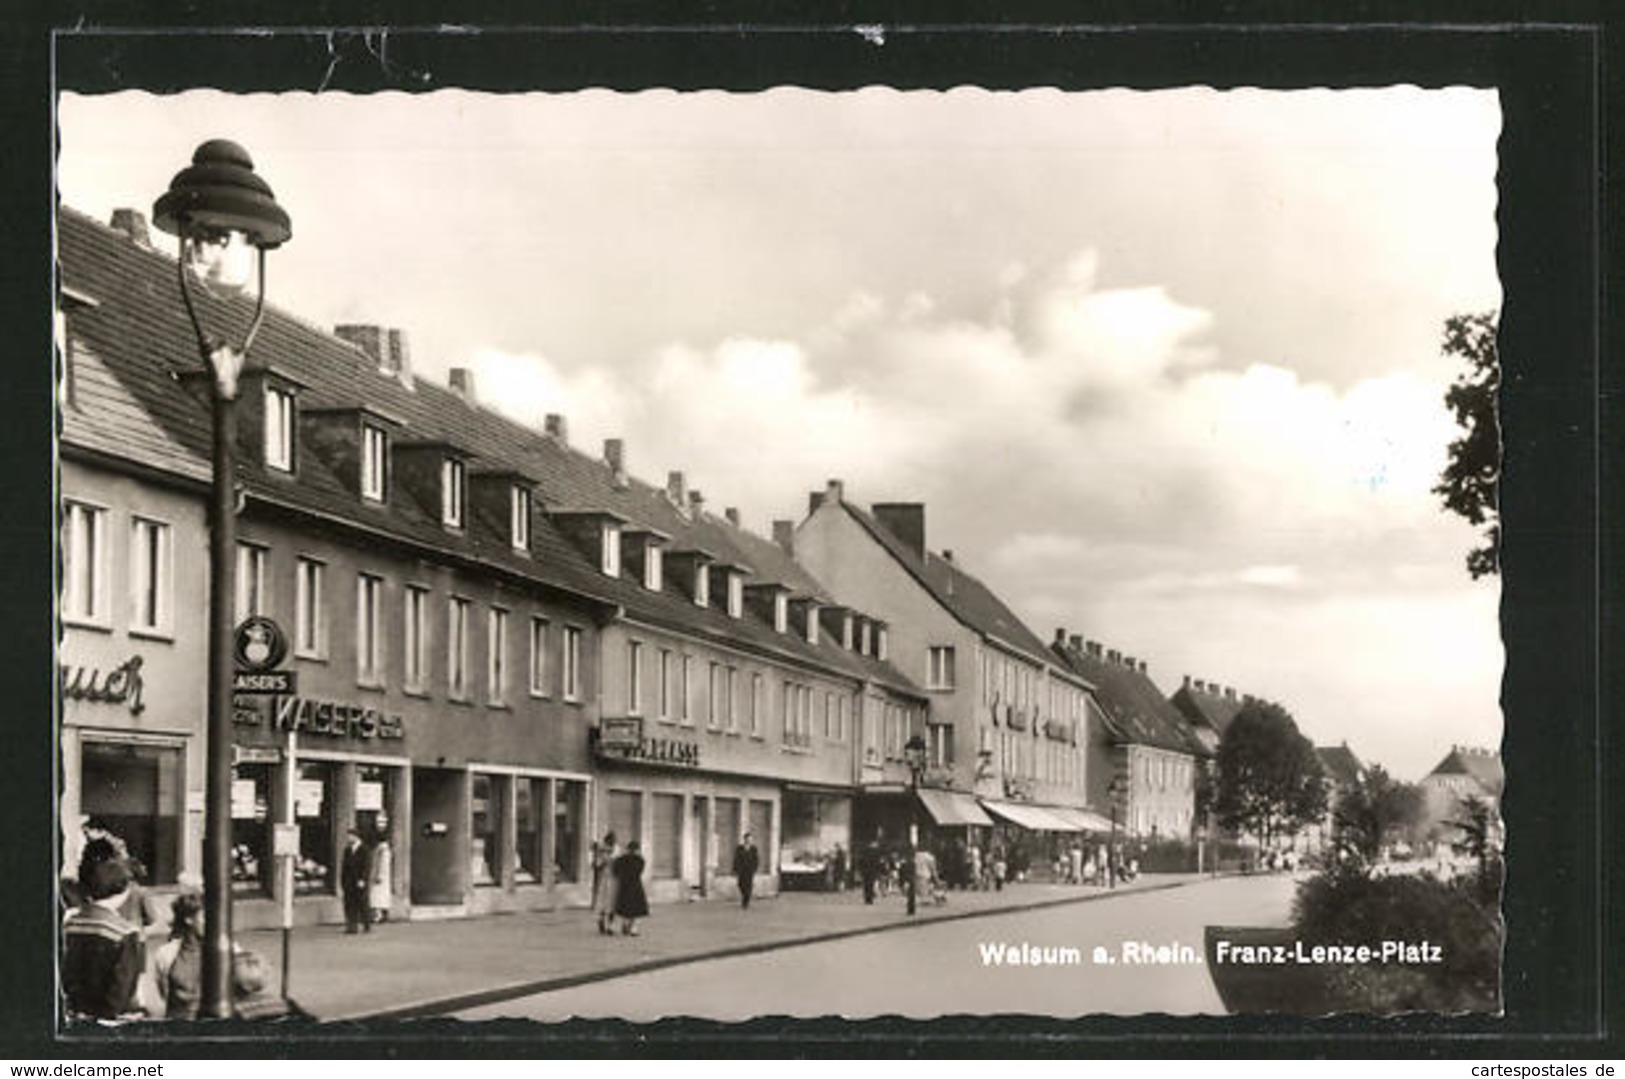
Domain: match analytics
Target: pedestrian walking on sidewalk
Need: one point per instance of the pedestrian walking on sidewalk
(630, 901)
(603, 883)
(746, 862)
(869, 868)
(355, 877)
(380, 890)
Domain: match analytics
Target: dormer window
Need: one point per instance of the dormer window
(519, 517)
(374, 462)
(781, 613)
(736, 595)
(653, 567)
(451, 492)
(702, 587)
(863, 638)
(278, 429)
(880, 643)
(610, 548)
(812, 623)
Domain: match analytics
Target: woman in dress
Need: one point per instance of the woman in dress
(603, 883)
(380, 891)
(630, 901)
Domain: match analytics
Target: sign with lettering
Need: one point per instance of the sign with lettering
(121, 685)
(653, 751)
(264, 682)
(331, 718)
(621, 732)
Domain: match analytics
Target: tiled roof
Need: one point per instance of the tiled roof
(1341, 765)
(134, 340)
(1481, 764)
(1135, 710)
(965, 597)
(1201, 706)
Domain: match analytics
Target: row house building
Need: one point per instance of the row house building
(503, 646)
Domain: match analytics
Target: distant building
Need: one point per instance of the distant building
(1139, 736)
(1465, 772)
(1209, 707)
(1344, 771)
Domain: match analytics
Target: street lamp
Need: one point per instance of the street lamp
(1118, 792)
(224, 216)
(914, 754)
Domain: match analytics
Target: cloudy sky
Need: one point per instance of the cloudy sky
(1163, 366)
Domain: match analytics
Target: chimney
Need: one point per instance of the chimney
(696, 502)
(784, 534)
(1201, 686)
(1060, 637)
(948, 556)
(1247, 698)
(557, 427)
(834, 492)
(1076, 643)
(732, 513)
(1128, 661)
(677, 489)
(905, 520)
(134, 225)
(1114, 655)
(1229, 693)
(1094, 648)
(615, 458)
(1187, 682)
(462, 384)
(1142, 667)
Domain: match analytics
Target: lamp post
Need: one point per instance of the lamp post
(224, 216)
(914, 754)
(1118, 791)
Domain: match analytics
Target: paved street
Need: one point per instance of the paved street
(950, 967)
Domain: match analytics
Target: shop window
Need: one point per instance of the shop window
(666, 844)
(134, 792)
(373, 789)
(313, 809)
(483, 866)
(761, 823)
(84, 563)
(251, 800)
(529, 797)
(569, 799)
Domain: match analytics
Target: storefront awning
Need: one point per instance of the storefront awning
(952, 810)
(1031, 817)
(1082, 820)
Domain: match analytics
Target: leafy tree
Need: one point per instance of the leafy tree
(1270, 781)
(1468, 484)
(1477, 822)
(1374, 812)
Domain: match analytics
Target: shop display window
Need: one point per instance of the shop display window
(134, 792)
(374, 787)
(251, 863)
(483, 865)
(529, 795)
(568, 814)
(726, 811)
(666, 845)
(313, 810)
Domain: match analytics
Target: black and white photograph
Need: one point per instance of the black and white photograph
(586, 554)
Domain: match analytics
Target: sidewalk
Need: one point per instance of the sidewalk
(414, 969)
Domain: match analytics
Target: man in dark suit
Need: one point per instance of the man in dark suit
(746, 862)
(355, 877)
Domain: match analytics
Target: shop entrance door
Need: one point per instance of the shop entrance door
(694, 848)
(439, 836)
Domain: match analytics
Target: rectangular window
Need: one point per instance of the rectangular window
(538, 657)
(812, 623)
(731, 699)
(374, 462)
(634, 678)
(451, 493)
(829, 715)
(519, 518)
(610, 535)
(713, 709)
(150, 576)
(840, 718)
(880, 645)
(369, 645)
(496, 656)
(781, 612)
(278, 429)
(939, 673)
(702, 586)
(653, 567)
(457, 648)
(415, 637)
(250, 580)
(572, 663)
(736, 595)
(310, 609)
(665, 684)
(756, 705)
(84, 569)
(686, 696)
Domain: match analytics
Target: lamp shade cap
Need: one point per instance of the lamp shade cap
(220, 191)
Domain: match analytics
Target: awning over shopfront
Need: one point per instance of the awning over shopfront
(1031, 817)
(951, 809)
(1082, 820)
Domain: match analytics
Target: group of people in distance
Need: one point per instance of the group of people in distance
(617, 881)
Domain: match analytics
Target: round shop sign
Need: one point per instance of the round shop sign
(260, 644)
